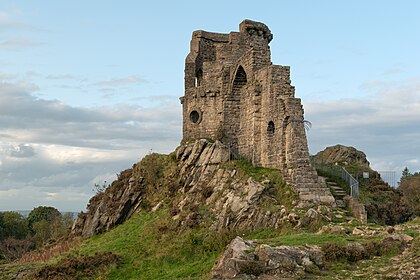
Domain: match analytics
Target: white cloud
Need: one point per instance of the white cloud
(49, 147)
(385, 126)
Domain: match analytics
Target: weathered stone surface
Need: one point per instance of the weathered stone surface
(235, 94)
(357, 208)
(341, 154)
(244, 259)
(110, 208)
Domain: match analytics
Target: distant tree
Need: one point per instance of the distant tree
(13, 225)
(42, 232)
(406, 172)
(410, 187)
(42, 213)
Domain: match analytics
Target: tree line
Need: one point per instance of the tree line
(19, 234)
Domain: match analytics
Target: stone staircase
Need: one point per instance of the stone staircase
(338, 192)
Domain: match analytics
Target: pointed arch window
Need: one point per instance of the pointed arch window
(240, 80)
(198, 77)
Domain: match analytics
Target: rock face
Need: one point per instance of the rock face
(233, 199)
(202, 188)
(112, 207)
(244, 259)
(341, 154)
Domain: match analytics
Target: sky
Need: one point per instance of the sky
(87, 88)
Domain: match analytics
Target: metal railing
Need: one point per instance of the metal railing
(353, 183)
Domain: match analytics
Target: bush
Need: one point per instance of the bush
(410, 188)
(354, 252)
(77, 267)
(385, 205)
(13, 224)
(252, 268)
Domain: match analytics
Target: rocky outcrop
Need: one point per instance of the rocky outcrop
(111, 207)
(232, 198)
(341, 154)
(203, 189)
(244, 259)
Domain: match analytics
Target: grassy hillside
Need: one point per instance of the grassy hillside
(150, 249)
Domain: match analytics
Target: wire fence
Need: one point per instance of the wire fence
(389, 177)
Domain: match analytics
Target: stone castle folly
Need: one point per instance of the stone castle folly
(233, 93)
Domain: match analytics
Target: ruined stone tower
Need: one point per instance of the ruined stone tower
(234, 93)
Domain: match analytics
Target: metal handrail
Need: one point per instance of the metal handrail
(352, 182)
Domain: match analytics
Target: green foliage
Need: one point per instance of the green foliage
(246, 168)
(41, 213)
(81, 267)
(252, 268)
(13, 224)
(301, 238)
(384, 205)
(406, 172)
(354, 252)
(276, 191)
(160, 174)
(152, 167)
(410, 188)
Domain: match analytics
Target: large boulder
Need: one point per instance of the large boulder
(341, 154)
(245, 259)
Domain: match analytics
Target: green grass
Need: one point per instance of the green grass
(266, 236)
(152, 251)
(10, 270)
(246, 167)
(276, 188)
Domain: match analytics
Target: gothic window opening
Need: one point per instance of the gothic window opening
(198, 77)
(240, 80)
(270, 128)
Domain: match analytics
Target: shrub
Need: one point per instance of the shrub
(252, 268)
(76, 267)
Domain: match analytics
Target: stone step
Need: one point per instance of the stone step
(340, 203)
(339, 195)
(332, 183)
(340, 192)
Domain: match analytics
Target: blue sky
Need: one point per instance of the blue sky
(87, 88)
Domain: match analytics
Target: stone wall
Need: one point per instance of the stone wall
(233, 93)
